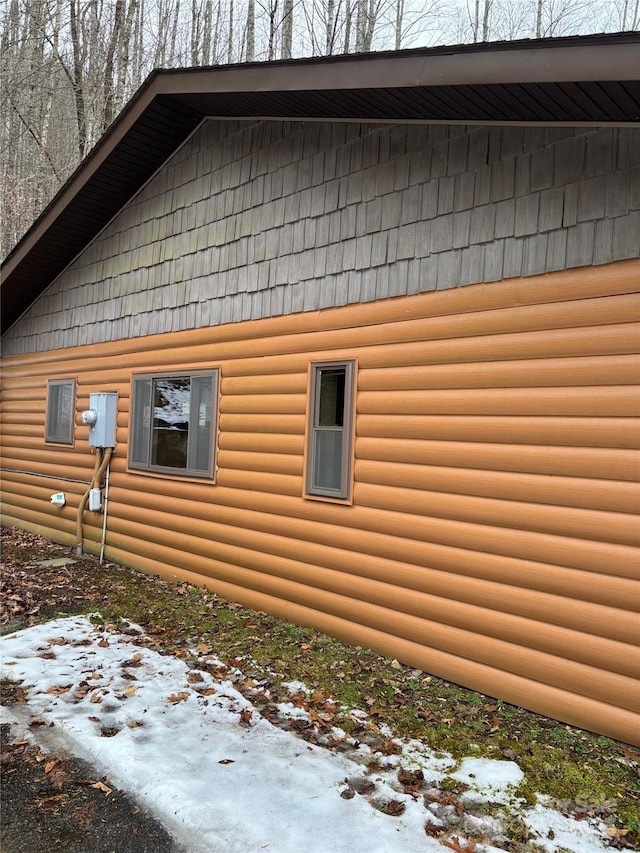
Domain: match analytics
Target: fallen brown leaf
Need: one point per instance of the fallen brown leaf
(177, 697)
(614, 832)
(456, 845)
(392, 807)
(194, 677)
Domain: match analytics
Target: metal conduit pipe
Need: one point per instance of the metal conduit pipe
(103, 456)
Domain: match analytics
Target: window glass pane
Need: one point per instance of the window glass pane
(327, 459)
(200, 426)
(331, 396)
(170, 422)
(173, 421)
(60, 412)
(141, 422)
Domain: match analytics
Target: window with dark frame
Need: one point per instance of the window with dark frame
(173, 420)
(61, 410)
(329, 431)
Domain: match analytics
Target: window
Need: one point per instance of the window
(329, 430)
(173, 421)
(61, 410)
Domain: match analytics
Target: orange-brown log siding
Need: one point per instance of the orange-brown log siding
(493, 537)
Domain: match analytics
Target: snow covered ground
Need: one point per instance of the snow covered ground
(220, 777)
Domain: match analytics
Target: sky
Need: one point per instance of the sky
(220, 777)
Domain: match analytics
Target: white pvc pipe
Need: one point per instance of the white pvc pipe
(104, 514)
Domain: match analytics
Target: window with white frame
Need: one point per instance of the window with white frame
(61, 410)
(173, 422)
(330, 430)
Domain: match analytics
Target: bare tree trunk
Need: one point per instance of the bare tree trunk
(360, 25)
(77, 78)
(195, 31)
(108, 97)
(287, 29)
(174, 33)
(370, 21)
(206, 34)
(539, 18)
(330, 27)
(250, 17)
(215, 37)
(485, 19)
(347, 25)
(272, 12)
(251, 31)
(399, 23)
(476, 21)
(124, 53)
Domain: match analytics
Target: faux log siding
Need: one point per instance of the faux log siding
(493, 536)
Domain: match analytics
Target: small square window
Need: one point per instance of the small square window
(329, 430)
(61, 410)
(173, 418)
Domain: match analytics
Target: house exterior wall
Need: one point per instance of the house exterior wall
(257, 219)
(493, 535)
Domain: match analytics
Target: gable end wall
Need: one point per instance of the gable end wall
(251, 220)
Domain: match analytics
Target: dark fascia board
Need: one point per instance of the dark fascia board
(35, 261)
(573, 59)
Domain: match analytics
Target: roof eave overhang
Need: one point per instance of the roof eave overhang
(504, 62)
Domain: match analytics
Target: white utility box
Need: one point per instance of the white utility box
(101, 418)
(95, 500)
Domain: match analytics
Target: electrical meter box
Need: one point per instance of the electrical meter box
(101, 418)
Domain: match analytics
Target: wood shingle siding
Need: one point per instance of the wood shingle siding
(493, 534)
(255, 219)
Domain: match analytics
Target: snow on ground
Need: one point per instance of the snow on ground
(219, 776)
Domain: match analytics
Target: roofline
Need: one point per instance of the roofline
(535, 61)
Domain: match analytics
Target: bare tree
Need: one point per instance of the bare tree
(251, 31)
(407, 22)
(626, 14)
(287, 29)
(480, 19)
(560, 17)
